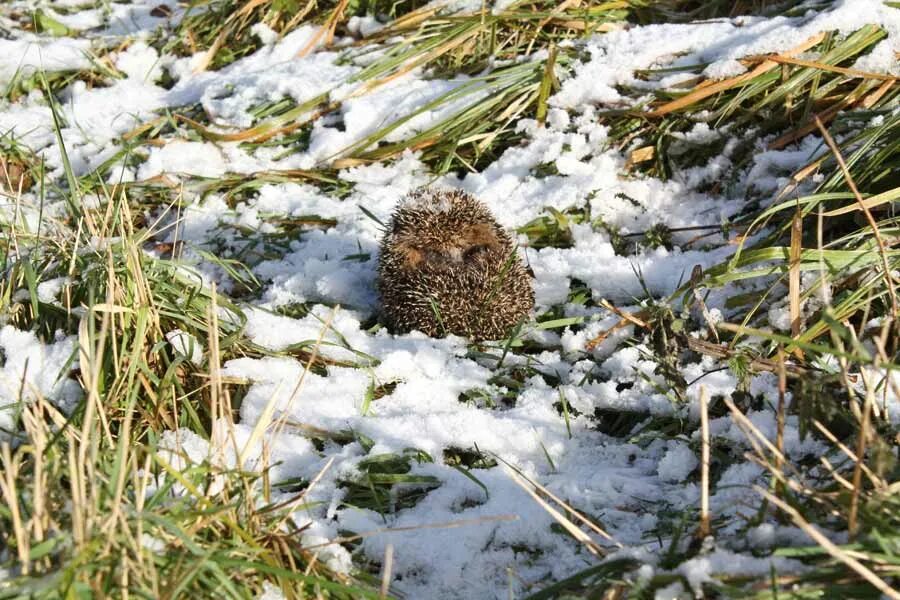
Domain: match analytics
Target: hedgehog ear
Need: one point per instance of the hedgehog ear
(481, 234)
(412, 256)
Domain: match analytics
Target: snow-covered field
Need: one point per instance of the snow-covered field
(542, 406)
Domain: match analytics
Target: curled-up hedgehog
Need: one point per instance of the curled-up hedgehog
(447, 266)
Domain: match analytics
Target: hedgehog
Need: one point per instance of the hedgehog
(447, 267)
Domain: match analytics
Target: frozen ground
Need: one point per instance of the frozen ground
(438, 395)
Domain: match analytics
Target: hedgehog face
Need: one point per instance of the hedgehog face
(446, 266)
(447, 246)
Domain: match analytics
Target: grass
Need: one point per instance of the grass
(777, 94)
(94, 502)
(104, 501)
(844, 255)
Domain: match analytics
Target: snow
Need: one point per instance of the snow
(140, 61)
(48, 290)
(270, 592)
(678, 462)
(91, 125)
(699, 570)
(720, 43)
(882, 59)
(673, 591)
(317, 271)
(206, 160)
(884, 384)
(24, 56)
(32, 369)
(186, 345)
(364, 26)
(271, 74)
(439, 395)
(84, 19)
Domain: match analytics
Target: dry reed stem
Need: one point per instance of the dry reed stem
(875, 96)
(8, 488)
(432, 54)
(290, 503)
(835, 475)
(299, 16)
(600, 337)
(124, 459)
(871, 202)
(862, 439)
(326, 30)
(626, 319)
(711, 89)
(852, 73)
(780, 416)
(568, 508)
(829, 546)
(704, 463)
(279, 425)
(387, 566)
(410, 20)
(877, 482)
(632, 318)
(37, 434)
(216, 390)
(561, 8)
(257, 133)
(757, 364)
(83, 450)
(794, 275)
(787, 483)
(567, 524)
(208, 56)
(826, 116)
(227, 28)
(777, 451)
(747, 425)
(895, 310)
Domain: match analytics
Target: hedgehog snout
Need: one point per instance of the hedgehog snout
(455, 254)
(459, 253)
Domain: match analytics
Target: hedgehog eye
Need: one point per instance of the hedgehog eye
(474, 251)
